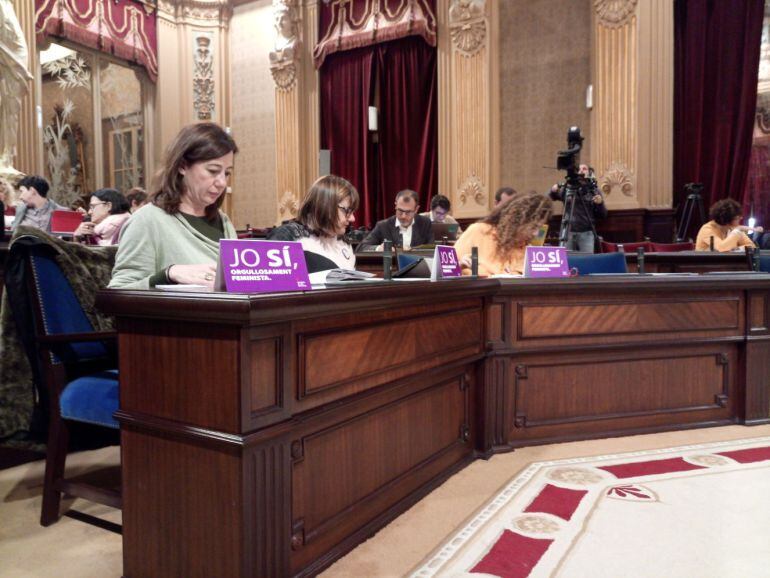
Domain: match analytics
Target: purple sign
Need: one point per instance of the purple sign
(546, 262)
(445, 263)
(250, 266)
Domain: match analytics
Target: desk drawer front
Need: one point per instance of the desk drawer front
(570, 393)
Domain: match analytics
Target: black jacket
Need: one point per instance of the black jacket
(422, 233)
(586, 212)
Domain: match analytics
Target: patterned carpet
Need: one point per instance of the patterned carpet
(630, 514)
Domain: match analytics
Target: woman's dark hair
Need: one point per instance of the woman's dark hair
(118, 200)
(440, 201)
(511, 220)
(195, 143)
(724, 211)
(320, 207)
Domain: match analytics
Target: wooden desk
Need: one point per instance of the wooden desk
(268, 435)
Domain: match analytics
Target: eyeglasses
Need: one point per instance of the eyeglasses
(347, 210)
(404, 212)
(92, 206)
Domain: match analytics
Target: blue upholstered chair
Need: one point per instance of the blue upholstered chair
(588, 263)
(78, 370)
(764, 262)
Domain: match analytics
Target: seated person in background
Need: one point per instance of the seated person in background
(725, 226)
(439, 211)
(175, 238)
(35, 208)
(502, 236)
(326, 211)
(406, 229)
(108, 210)
(136, 198)
(503, 195)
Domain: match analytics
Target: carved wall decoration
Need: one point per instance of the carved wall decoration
(473, 189)
(288, 205)
(203, 78)
(763, 119)
(614, 13)
(468, 25)
(618, 178)
(284, 59)
(201, 10)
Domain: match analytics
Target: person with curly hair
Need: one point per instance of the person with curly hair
(725, 227)
(502, 236)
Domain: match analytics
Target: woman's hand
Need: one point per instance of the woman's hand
(202, 274)
(86, 228)
(466, 262)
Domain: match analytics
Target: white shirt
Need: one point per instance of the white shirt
(332, 248)
(406, 234)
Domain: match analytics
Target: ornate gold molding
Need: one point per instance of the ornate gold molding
(284, 59)
(203, 78)
(288, 205)
(473, 189)
(204, 11)
(617, 180)
(614, 13)
(468, 26)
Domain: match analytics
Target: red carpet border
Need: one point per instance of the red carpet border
(622, 515)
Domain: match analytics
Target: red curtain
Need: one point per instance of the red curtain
(715, 92)
(408, 157)
(346, 92)
(127, 29)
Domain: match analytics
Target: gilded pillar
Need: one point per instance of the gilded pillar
(296, 102)
(655, 113)
(29, 141)
(468, 104)
(614, 123)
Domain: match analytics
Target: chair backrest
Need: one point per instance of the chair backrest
(673, 247)
(625, 247)
(587, 263)
(10, 211)
(57, 309)
(764, 263)
(65, 222)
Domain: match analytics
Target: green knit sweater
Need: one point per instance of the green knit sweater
(152, 240)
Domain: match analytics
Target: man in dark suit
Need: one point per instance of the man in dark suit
(405, 229)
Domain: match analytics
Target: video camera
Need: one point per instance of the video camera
(569, 160)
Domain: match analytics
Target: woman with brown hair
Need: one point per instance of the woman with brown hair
(502, 236)
(725, 228)
(175, 238)
(326, 211)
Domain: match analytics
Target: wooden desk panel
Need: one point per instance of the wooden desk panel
(268, 435)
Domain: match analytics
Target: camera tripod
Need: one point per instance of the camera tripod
(571, 191)
(694, 200)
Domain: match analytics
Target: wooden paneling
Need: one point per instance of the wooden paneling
(590, 319)
(757, 384)
(169, 488)
(369, 355)
(404, 443)
(187, 372)
(596, 392)
(266, 365)
(758, 313)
